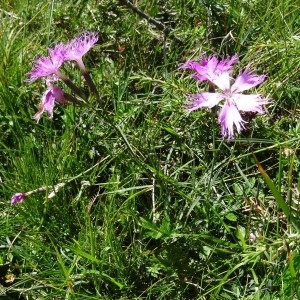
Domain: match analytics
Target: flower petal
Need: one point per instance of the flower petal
(57, 54)
(17, 198)
(229, 116)
(194, 66)
(247, 80)
(79, 46)
(214, 66)
(222, 81)
(210, 67)
(45, 66)
(225, 65)
(48, 100)
(47, 104)
(210, 64)
(251, 102)
(203, 100)
(58, 94)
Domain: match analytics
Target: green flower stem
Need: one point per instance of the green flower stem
(72, 86)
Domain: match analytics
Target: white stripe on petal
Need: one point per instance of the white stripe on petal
(251, 102)
(222, 81)
(229, 116)
(203, 100)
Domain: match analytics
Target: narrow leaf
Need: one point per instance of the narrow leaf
(279, 199)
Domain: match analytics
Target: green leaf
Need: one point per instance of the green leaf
(279, 199)
(231, 217)
(157, 232)
(241, 233)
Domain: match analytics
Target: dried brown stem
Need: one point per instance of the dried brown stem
(159, 25)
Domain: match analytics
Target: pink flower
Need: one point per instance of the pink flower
(234, 100)
(52, 93)
(79, 46)
(210, 67)
(17, 198)
(45, 66)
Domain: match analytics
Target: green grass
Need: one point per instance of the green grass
(155, 204)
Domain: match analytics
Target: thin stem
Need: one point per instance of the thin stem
(71, 85)
(159, 25)
(211, 87)
(88, 79)
(74, 99)
(91, 85)
(151, 20)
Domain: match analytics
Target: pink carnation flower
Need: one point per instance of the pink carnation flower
(235, 101)
(52, 94)
(79, 46)
(210, 67)
(45, 66)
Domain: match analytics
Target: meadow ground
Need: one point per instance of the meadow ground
(134, 197)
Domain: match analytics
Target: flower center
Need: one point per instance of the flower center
(228, 96)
